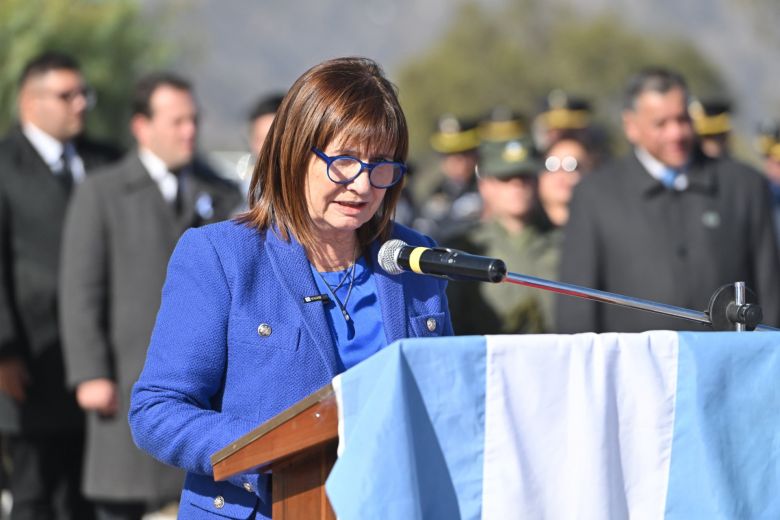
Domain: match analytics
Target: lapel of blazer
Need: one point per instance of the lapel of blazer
(635, 178)
(36, 180)
(192, 190)
(291, 267)
(31, 164)
(199, 202)
(390, 293)
(138, 182)
(205, 198)
(701, 174)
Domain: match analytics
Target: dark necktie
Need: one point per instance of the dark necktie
(65, 175)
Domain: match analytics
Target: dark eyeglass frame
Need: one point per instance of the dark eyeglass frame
(363, 167)
(70, 95)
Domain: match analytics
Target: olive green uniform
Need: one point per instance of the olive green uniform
(505, 308)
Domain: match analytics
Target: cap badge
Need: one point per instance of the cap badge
(514, 151)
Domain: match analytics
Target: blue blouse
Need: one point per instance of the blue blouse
(364, 334)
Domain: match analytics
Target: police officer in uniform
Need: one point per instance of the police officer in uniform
(454, 202)
(561, 113)
(507, 181)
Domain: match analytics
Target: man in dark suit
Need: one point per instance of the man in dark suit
(41, 158)
(665, 223)
(119, 234)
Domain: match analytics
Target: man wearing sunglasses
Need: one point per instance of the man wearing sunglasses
(41, 159)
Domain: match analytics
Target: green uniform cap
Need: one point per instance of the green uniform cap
(508, 159)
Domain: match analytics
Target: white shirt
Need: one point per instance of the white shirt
(658, 170)
(166, 181)
(51, 151)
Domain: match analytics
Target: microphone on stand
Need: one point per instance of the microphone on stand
(396, 256)
(725, 312)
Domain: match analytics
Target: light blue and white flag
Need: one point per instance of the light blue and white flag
(611, 426)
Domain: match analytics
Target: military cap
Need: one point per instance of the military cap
(454, 135)
(710, 117)
(511, 158)
(769, 138)
(561, 111)
(502, 124)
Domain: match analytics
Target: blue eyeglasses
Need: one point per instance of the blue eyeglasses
(343, 169)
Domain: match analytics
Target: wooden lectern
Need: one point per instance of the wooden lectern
(298, 447)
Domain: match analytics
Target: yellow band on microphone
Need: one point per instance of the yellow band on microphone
(414, 259)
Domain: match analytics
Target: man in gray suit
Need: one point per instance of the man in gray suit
(41, 159)
(119, 235)
(665, 223)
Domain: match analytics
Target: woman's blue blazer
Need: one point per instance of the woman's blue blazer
(210, 377)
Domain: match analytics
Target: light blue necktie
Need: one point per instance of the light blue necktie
(669, 177)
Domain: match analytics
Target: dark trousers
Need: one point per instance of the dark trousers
(119, 510)
(45, 477)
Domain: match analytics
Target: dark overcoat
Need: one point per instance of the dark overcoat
(119, 235)
(32, 210)
(628, 234)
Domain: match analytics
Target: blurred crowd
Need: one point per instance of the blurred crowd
(671, 221)
(86, 232)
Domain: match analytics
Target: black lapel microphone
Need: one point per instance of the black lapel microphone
(324, 298)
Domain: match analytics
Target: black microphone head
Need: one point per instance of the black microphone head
(388, 256)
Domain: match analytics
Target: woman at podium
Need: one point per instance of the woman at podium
(261, 311)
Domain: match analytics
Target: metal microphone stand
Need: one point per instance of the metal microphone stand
(728, 308)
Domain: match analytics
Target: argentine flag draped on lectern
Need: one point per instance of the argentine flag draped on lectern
(611, 426)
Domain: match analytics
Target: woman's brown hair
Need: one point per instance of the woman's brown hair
(345, 97)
